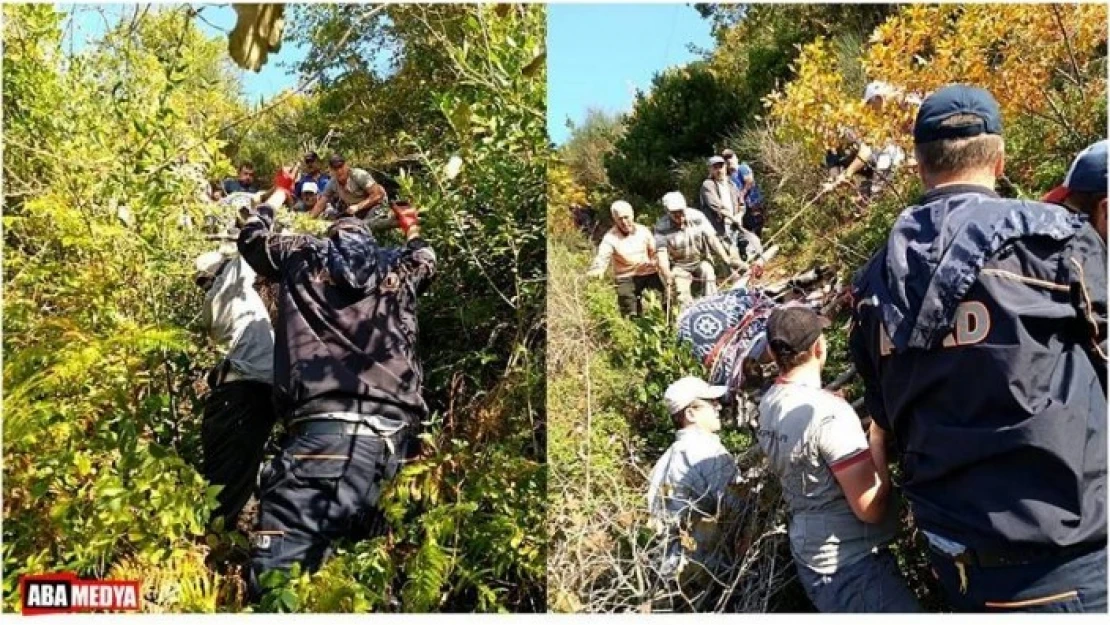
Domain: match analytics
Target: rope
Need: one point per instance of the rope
(810, 204)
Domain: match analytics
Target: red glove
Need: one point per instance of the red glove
(406, 215)
(756, 270)
(284, 180)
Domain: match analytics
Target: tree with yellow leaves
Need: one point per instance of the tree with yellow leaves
(1046, 65)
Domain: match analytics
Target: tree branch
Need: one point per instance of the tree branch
(305, 84)
(1067, 43)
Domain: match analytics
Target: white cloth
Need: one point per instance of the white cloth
(236, 316)
(887, 159)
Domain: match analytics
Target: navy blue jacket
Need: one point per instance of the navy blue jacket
(346, 332)
(980, 333)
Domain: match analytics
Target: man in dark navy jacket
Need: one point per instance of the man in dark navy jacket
(347, 380)
(980, 332)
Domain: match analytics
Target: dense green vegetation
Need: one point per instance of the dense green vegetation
(103, 356)
(792, 72)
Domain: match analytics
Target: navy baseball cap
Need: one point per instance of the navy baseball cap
(957, 100)
(1087, 174)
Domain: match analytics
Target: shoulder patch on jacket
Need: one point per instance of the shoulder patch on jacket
(391, 282)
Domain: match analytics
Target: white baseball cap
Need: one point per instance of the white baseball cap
(674, 201)
(876, 89)
(310, 187)
(208, 263)
(716, 160)
(620, 207)
(681, 393)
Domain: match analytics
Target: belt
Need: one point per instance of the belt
(987, 559)
(224, 373)
(334, 427)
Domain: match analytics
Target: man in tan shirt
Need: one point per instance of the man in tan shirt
(630, 248)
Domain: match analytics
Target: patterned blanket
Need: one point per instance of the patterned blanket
(724, 328)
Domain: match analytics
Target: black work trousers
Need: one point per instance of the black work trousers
(630, 293)
(238, 419)
(320, 488)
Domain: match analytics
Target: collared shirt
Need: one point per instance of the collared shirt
(807, 434)
(724, 190)
(718, 198)
(236, 316)
(753, 197)
(687, 245)
(737, 178)
(632, 254)
(689, 486)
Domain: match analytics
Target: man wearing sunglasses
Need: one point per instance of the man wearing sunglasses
(689, 487)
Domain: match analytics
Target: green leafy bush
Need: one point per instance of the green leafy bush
(101, 429)
(103, 353)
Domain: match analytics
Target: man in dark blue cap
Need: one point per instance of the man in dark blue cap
(1084, 188)
(314, 174)
(347, 380)
(980, 333)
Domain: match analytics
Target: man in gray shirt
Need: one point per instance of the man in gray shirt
(689, 491)
(834, 481)
(721, 201)
(354, 191)
(684, 241)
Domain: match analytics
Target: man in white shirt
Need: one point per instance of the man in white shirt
(238, 415)
(689, 490)
(630, 248)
